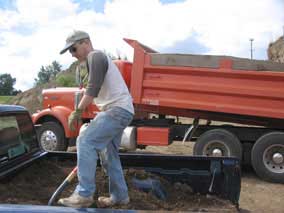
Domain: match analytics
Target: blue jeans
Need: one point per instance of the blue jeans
(102, 137)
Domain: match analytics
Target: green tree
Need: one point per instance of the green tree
(66, 81)
(47, 73)
(55, 68)
(7, 85)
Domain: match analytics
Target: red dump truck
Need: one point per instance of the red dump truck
(248, 95)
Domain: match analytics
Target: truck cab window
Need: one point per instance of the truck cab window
(9, 135)
(28, 135)
(16, 136)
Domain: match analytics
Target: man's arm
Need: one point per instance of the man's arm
(85, 101)
(97, 66)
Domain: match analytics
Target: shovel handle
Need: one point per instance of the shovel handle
(62, 186)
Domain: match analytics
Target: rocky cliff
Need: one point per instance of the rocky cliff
(275, 50)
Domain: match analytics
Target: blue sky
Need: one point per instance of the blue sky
(32, 32)
(95, 5)
(98, 5)
(6, 4)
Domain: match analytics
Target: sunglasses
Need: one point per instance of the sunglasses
(72, 49)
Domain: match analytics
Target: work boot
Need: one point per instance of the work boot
(76, 201)
(108, 202)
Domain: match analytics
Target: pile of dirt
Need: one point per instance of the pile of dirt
(36, 184)
(275, 50)
(32, 99)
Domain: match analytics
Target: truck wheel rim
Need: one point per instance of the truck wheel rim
(216, 147)
(273, 158)
(48, 140)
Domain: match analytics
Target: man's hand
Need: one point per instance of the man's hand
(75, 118)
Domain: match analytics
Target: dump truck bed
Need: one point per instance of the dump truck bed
(211, 87)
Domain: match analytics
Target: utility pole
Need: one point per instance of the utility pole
(251, 50)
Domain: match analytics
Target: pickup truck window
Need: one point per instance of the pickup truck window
(9, 137)
(28, 135)
(17, 136)
(8, 121)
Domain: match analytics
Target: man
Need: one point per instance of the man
(102, 137)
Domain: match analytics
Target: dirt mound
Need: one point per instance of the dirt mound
(21, 190)
(275, 50)
(31, 99)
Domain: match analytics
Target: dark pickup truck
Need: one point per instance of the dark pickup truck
(19, 148)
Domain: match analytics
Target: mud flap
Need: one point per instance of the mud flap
(225, 179)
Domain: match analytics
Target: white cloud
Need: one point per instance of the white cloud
(34, 34)
(228, 25)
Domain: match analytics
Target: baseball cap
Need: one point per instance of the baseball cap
(75, 36)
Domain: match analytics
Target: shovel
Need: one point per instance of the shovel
(63, 185)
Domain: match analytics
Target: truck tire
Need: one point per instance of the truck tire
(218, 142)
(51, 137)
(267, 157)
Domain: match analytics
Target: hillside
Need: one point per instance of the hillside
(275, 50)
(31, 99)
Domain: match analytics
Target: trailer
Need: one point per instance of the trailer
(248, 94)
(220, 176)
